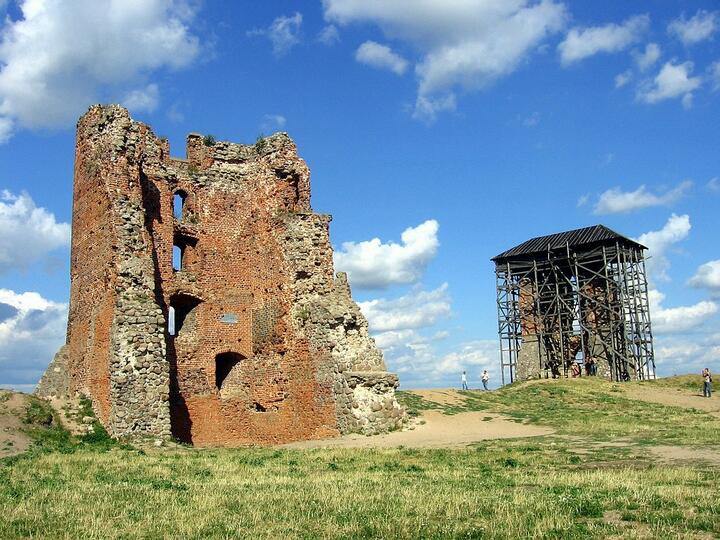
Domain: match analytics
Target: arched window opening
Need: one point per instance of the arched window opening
(224, 364)
(181, 312)
(177, 257)
(179, 199)
(171, 320)
(182, 247)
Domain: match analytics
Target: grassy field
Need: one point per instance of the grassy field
(595, 478)
(594, 409)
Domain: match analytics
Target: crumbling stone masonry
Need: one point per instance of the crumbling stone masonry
(203, 300)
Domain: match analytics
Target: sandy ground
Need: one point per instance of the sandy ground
(12, 440)
(12, 410)
(443, 397)
(434, 429)
(675, 398)
(685, 454)
(680, 398)
(67, 410)
(438, 431)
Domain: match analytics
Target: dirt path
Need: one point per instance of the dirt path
(67, 410)
(438, 431)
(12, 439)
(443, 397)
(675, 397)
(674, 454)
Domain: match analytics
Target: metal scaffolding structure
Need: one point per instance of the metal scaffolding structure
(574, 303)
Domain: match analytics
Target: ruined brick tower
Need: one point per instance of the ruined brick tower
(574, 302)
(203, 299)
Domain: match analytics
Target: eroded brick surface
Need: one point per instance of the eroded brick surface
(269, 346)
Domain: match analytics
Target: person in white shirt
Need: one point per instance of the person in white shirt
(464, 381)
(707, 383)
(485, 379)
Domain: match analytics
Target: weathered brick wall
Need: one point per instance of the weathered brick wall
(115, 339)
(238, 197)
(92, 281)
(532, 351)
(265, 335)
(324, 311)
(264, 321)
(598, 323)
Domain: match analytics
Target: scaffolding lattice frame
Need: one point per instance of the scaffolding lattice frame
(579, 302)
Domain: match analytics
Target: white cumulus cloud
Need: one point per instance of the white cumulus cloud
(714, 71)
(380, 56)
(677, 354)
(427, 108)
(616, 201)
(678, 319)
(283, 33)
(473, 357)
(373, 264)
(707, 276)
(417, 309)
(463, 44)
(29, 233)
(32, 329)
(648, 58)
(697, 28)
(6, 129)
(143, 99)
(391, 339)
(423, 361)
(675, 230)
(61, 57)
(581, 43)
(673, 81)
(621, 79)
(329, 35)
(407, 352)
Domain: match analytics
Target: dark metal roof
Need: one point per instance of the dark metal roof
(597, 234)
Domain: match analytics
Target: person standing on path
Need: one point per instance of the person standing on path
(464, 380)
(485, 378)
(591, 366)
(707, 383)
(575, 370)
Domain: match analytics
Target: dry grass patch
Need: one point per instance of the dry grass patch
(500, 489)
(577, 484)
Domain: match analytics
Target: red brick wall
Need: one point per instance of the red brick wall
(241, 201)
(92, 295)
(236, 268)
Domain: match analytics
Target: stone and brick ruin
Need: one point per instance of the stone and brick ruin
(203, 299)
(574, 303)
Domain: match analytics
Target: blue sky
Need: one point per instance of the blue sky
(438, 134)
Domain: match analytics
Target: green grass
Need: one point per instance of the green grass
(545, 487)
(693, 383)
(497, 490)
(38, 413)
(43, 425)
(594, 409)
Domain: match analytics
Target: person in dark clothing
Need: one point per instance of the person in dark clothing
(591, 367)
